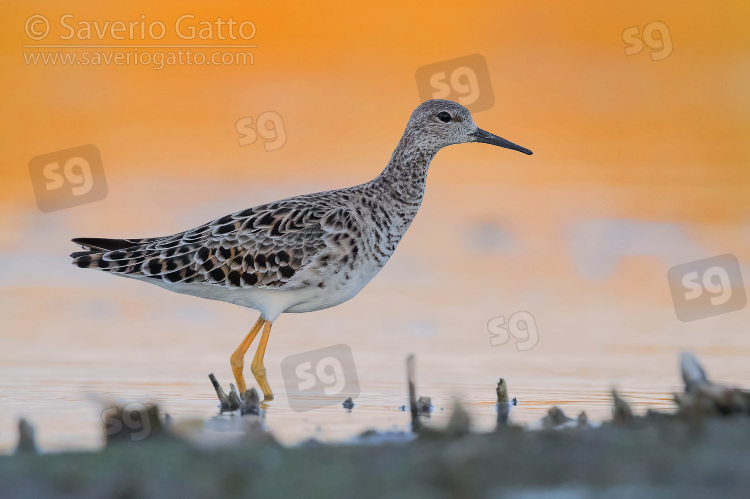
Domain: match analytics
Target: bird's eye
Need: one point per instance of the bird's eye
(444, 116)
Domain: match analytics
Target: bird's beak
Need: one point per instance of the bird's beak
(489, 138)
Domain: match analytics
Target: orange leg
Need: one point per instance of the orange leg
(259, 371)
(237, 360)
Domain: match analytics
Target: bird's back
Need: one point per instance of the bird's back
(294, 243)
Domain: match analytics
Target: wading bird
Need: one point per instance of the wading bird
(299, 254)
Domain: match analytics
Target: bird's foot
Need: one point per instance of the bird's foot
(260, 376)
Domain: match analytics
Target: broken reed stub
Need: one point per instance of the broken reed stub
(693, 374)
(622, 414)
(248, 402)
(459, 423)
(503, 403)
(26, 443)
(225, 404)
(410, 368)
(424, 405)
(583, 420)
(703, 398)
(235, 400)
(555, 417)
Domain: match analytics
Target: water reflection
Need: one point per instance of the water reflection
(595, 285)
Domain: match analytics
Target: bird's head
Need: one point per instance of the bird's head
(439, 123)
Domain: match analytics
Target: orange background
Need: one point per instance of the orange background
(342, 77)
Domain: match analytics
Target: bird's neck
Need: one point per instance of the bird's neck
(405, 175)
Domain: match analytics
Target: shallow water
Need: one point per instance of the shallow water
(589, 270)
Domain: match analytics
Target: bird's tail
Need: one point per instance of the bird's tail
(95, 248)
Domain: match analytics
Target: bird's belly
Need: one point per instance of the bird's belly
(329, 291)
(333, 292)
(323, 299)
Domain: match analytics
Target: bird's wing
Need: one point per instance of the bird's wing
(261, 247)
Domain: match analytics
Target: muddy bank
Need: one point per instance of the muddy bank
(657, 458)
(702, 450)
